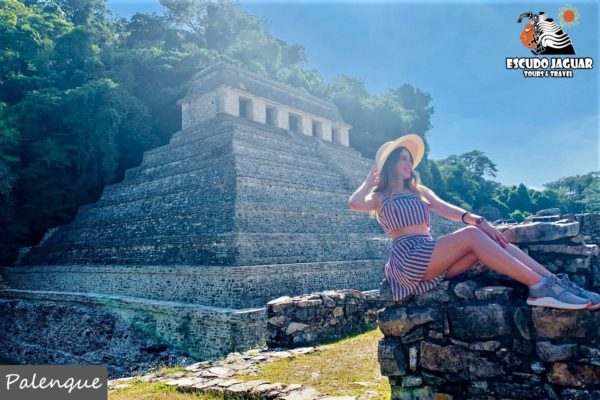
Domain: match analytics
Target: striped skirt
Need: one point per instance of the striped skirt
(408, 261)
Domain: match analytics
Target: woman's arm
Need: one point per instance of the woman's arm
(448, 210)
(363, 199)
(455, 213)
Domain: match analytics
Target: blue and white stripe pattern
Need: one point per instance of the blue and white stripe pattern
(410, 254)
(402, 210)
(407, 263)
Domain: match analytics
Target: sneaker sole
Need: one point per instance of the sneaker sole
(594, 307)
(553, 303)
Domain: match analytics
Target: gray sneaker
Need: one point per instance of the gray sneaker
(552, 294)
(580, 292)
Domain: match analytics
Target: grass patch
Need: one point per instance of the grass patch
(347, 367)
(139, 390)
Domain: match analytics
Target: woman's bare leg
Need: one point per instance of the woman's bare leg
(527, 260)
(449, 249)
(462, 265)
(469, 261)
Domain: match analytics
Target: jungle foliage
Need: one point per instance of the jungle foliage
(84, 94)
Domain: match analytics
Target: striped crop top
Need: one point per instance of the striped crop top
(403, 210)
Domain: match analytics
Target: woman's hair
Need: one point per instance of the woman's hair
(389, 174)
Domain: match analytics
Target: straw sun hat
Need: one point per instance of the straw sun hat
(412, 142)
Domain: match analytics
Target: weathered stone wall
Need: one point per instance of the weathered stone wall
(475, 337)
(303, 320)
(197, 331)
(77, 334)
(589, 227)
(232, 287)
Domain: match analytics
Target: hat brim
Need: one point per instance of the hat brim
(412, 142)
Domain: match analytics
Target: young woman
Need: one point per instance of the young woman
(392, 192)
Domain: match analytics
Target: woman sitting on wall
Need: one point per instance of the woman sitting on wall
(392, 192)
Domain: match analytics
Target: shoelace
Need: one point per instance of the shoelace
(565, 281)
(553, 282)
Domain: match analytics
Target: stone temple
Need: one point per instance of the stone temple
(247, 203)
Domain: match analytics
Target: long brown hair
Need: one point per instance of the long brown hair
(389, 174)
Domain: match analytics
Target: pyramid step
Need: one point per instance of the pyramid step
(252, 189)
(212, 148)
(208, 173)
(192, 250)
(269, 220)
(213, 176)
(264, 221)
(220, 134)
(156, 227)
(313, 161)
(287, 173)
(296, 248)
(208, 156)
(277, 143)
(197, 200)
(169, 153)
(209, 178)
(256, 133)
(194, 133)
(194, 222)
(234, 287)
(241, 249)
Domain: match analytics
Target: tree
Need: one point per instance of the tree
(519, 199)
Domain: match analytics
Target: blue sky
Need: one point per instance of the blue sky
(535, 130)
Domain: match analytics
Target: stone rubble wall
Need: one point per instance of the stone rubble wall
(589, 227)
(475, 337)
(78, 328)
(76, 333)
(301, 320)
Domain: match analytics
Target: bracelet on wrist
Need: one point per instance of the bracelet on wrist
(478, 221)
(463, 217)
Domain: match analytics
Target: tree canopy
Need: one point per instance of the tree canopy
(84, 94)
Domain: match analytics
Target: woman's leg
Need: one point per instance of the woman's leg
(469, 261)
(449, 249)
(527, 260)
(462, 265)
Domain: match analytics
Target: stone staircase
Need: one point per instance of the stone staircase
(225, 193)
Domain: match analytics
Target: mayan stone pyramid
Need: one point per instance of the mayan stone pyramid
(247, 203)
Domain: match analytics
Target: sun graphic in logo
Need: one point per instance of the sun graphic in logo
(568, 15)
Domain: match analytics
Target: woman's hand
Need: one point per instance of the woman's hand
(373, 178)
(494, 233)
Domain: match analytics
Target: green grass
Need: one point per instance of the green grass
(139, 390)
(336, 370)
(344, 367)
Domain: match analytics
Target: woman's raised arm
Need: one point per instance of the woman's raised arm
(363, 199)
(446, 209)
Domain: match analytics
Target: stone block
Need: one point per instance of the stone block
(573, 374)
(549, 352)
(494, 293)
(466, 290)
(539, 231)
(391, 358)
(554, 323)
(456, 360)
(479, 322)
(398, 321)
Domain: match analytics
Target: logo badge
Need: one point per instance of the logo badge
(544, 37)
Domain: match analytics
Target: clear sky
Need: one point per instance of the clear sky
(535, 129)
